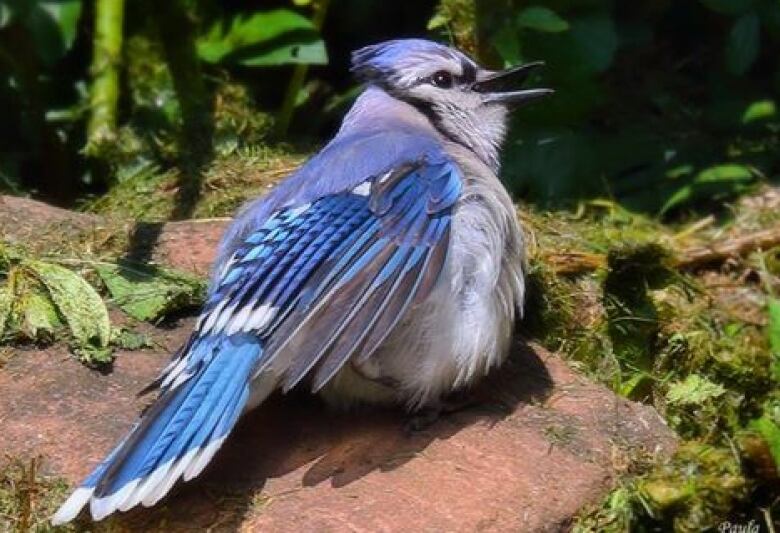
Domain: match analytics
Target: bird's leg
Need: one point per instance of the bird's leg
(428, 415)
(459, 400)
(422, 419)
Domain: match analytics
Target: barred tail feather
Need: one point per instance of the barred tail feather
(178, 436)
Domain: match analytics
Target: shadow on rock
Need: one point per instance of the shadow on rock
(298, 433)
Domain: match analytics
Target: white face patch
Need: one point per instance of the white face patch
(416, 67)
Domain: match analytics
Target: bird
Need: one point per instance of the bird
(388, 269)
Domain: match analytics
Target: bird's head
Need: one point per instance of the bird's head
(468, 104)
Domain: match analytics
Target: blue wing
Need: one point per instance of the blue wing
(324, 281)
(315, 285)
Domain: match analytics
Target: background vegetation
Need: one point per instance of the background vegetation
(662, 138)
(663, 105)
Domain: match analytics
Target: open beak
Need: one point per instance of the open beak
(503, 87)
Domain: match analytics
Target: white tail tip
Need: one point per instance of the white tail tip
(72, 506)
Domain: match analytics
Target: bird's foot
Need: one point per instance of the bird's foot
(459, 400)
(430, 414)
(422, 419)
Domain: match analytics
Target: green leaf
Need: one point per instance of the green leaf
(30, 313)
(729, 172)
(636, 386)
(53, 26)
(759, 110)
(38, 317)
(93, 355)
(128, 339)
(14, 10)
(711, 182)
(309, 53)
(728, 7)
(439, 20)
(774, 337)
(506, 41)
(694, 390)
(541, 19)
(678, 198)
(743, 43)
(679, 171)
(77, 302)
(266, 38)
(770, 432)
(774, 325)
(5, 308)
(596, 40)
(66, 14)
(146, 293)
(6, 15)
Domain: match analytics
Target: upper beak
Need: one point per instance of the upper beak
(504, 86)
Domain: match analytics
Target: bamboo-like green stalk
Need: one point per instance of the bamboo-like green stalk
(177, 33)
(298, 77)
(106, 58)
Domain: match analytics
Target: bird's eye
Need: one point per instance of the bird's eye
(442, 79)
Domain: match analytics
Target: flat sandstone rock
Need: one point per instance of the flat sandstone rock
(539, 443)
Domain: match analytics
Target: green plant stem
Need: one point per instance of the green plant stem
(106, 59)
(298, 77)
(184, 66)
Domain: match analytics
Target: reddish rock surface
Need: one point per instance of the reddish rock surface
(22, 217)
(539, 443)
(189, 245)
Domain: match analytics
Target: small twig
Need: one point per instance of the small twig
(724, 249)
(695, 227)
(572, 263)
(767, 512)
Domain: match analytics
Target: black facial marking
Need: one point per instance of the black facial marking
(446, 80)
(425, 108)
(469, 72)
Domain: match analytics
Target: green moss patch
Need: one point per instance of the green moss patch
(28, 499)
(606, 291)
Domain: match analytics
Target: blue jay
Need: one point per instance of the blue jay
(387, 269)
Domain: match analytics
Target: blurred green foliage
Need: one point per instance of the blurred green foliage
(79, 117)
(663, 105)
(262, 39)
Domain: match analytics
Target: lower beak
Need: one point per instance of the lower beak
(503, 87)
